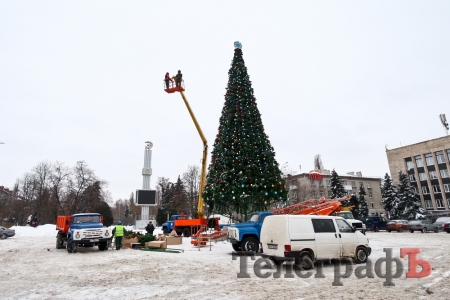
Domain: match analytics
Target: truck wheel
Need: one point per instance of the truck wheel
(165, 230)
(102, 246)
(186, 232)
(424, 230)
(361, 255)
(304, 262)
(376, 229)
(3, 236)
(59, 242)
(236, 247)
(250, 244)
(436, 230)
(179, 231)
(411, 230)
(71, 247)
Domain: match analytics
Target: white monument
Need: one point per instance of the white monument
(146, 197)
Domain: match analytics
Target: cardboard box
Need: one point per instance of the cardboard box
(127, 242)
(156, 244)
(174, 240)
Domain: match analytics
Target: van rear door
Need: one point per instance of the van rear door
(328, 242)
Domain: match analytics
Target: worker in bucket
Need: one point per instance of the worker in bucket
(118, 232)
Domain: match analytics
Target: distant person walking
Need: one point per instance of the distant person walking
(150, 228)
(29, 220)
(119, 232)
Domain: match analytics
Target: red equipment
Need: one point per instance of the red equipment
(322, 206)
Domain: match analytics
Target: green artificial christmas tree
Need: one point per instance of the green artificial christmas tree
(244, 175)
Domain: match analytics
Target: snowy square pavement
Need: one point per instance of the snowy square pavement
(32, 268)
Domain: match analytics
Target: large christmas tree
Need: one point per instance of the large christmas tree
(244, 175)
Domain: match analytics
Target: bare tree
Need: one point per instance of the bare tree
(58, 183)
(191, 180)
(318, 162)
(82, 178)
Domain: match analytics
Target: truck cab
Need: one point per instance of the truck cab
(169, 225)
(357, 224)
(246, 236)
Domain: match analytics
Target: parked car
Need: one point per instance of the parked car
(6, 232)
(374, 223)
(441, 221)
(447, 227)
(422, 225)
(397, 225)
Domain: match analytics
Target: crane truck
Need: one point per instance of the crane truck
(246, 236)
(180, 223)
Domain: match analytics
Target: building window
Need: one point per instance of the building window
(312, 181)
(330, 194)
(409, 165)
(370, 194)
(429, 159)
(440, 157)
(422, 177)
(419, 162)
(368, 185)
(439, 203)
(448, 154)
(436, 189)
(444, 173)
(321, 194)
(295, 195)
(428, 204)
(353, 183)
(372, 205)
(414, 189)
(328, 182)
(412, 178)
(321, 182)
(361, 183)
(433, 175)
(447, 188)
(425, 190)
(448, 202)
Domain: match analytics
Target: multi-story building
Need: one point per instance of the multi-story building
(303, 187)
(427, 165)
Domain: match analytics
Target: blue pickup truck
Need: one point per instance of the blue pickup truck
(245, 236)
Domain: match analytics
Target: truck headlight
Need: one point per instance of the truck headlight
(106, 233)
(77, 235)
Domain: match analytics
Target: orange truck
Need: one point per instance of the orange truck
(188, 227)
(82, 230)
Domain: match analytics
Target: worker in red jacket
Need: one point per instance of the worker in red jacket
(167, 79)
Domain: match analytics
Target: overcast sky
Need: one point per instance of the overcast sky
(84, 81)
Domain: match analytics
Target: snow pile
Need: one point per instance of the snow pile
(28, 231)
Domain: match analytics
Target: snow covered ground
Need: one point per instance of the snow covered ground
(32, 268)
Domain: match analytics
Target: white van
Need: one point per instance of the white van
(308, 238)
